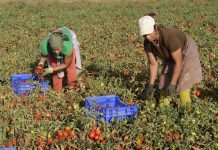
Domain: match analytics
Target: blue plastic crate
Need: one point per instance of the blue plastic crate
(21, 85)
(8, 148)
(110, 108)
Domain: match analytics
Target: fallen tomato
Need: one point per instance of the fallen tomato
(197, 93)
(176, 137)
(91, 135)
(67, 129)
(60, 134)
(50, 140)
(102, 140)
(96, 137)
(98, 132)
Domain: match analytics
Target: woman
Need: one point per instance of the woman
(61, 51)
(178, 52)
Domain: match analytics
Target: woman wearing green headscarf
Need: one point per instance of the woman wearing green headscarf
(61, 50)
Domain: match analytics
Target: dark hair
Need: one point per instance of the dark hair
(152, 14)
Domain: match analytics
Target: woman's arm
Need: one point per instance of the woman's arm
(177, 58)
(153, 66)
(67, 61)
(42, 60)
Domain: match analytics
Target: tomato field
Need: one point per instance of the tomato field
(114, 62)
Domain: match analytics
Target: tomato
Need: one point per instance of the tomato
(98, 132)
(39, 67)
(197, 93)
(60, 134)
(67, 129)
(99, 107)
(22, 95)
(91, 135)
(69, 134)
(96, 137)
(117, 106)
(126, 138)
(92, 129)
(102, 140)
(108, 107)
(48, 115)
(65, 134)
(194, 91)
(50, 140)
(126, 73)
(176, 137)
(130, 103)
(39, 139)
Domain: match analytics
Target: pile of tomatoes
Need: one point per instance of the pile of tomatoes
(95, 134)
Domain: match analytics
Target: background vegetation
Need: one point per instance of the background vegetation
(113, 62)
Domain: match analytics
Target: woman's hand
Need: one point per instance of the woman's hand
(149, 91)
(171, 89)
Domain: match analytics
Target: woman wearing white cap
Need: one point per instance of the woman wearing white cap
(181, 63)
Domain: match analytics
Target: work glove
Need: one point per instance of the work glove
(47, 71)
(171, 89)
(149, 91)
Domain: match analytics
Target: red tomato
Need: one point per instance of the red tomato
(99, 107)
(96, 137)
(117, 106)
(22, 95)
(176, 137)
(102, 140)
(194, 91)
(92, 129)
(98, 132)
(67, 129)
(48, 115)
(91, 135)
(126, 73)
(50, 140)
(197, 93)
(39, 67)
(65, 134)
(60, 134)
(108, 107)
(39, 139)
(69, 134)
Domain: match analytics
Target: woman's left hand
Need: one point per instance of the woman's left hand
(171, 89)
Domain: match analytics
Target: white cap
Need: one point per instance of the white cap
(146, 25)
